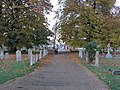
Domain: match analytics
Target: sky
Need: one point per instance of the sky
(52, 14)
(118, 2)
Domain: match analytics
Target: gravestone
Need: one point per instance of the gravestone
(86, 56)
(18, 55)
(44, 52)
(66, 47)
(6, 56)
(40, 55)
(36, 57)
(97, 59)
(109, 56)
(33, 59)
(1, 54)
(80, 53)
(116, 72)
(29, 53)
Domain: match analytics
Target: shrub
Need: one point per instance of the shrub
(91, 48)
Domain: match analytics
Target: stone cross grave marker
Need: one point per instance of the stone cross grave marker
(97, 59)
(109, 56)
(18, 55)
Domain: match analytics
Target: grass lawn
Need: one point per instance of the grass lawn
(113, 81)
(10, 69)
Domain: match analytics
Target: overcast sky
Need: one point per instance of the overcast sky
(52, 14)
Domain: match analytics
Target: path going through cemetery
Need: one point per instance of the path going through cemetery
(61, 73)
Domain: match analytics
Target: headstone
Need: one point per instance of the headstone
(29, 53)
(115, 52)
(33, 59)
(80, 53)
(109, 56)
(18, 55)
(66, 47)
(36, 57)
(1, 54)
(44, 52)
(116, 72)
(84, 53)
(40, 55)
(86, 56)
(6, 56)
(97, 59)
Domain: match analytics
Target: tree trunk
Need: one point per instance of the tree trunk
(91, 57)
(0, 7)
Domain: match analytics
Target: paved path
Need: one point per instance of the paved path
(61, 74)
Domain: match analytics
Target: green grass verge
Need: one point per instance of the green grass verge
(12, 69)
(113, 81)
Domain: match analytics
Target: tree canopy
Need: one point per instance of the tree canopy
(82, 21)
(23, 24)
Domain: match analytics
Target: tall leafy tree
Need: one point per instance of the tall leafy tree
(20, 22)
(85, 20)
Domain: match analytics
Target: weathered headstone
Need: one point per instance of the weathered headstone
(84, 53)
(40, 55)
(109, 56)
(29, 53)
(66, 47)
(80, 53)
(6, 56)
(86, 56)
(1, 54)
(44, 52)
(36, 57)
(116, 72)
(18, 55)
(33, 59)
(97, 59)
